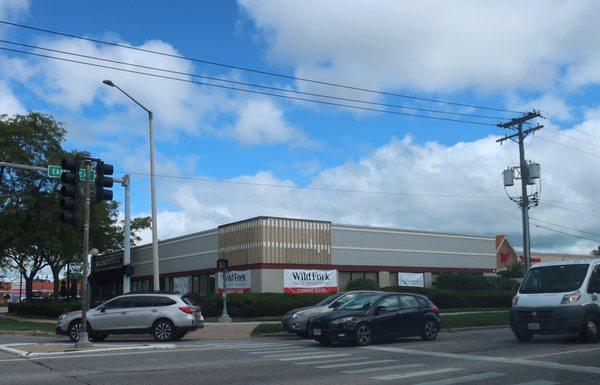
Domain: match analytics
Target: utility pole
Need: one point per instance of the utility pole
(524, 201)
(83, 341)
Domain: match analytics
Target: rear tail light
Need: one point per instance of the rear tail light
(187, 309)
(433, 307)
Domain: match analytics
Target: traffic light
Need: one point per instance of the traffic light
(69, 190)
(102, 181)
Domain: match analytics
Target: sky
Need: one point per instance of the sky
(224, 155)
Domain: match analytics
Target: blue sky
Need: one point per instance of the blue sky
(483, 54)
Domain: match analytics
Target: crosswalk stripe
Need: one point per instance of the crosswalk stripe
(311, 357)
(291, 350)
(539, 382)
(415, 374)
(356, 364)
(329, 361)
(297, 353)
(251, 350)
(467, 378)
(368, 370)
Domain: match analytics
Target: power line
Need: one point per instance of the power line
(253, 70)
(571, 210)
(248, 91)
(570, 147)
(564, 227)
(555, 132)
(251, 84)
(565, 233)
(586, 133)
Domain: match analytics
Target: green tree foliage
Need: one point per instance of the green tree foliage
(516, 270)
(32, 237)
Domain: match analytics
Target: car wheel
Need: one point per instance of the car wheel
(98, 337)
(324, 341)
(524, 336)
(163, 330)
(74, 330)
(363, 335)
(590, 330)
(429, 330)
(178, 336)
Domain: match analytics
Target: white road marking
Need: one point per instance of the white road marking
(540, 382)
(416, 374)
(311, 357)
(329, 361)
(302, 352)
(381, 368)
(284, 351)
(356, 364)
(563, 352)
(467, 378)
(496, 359)
(252, 350)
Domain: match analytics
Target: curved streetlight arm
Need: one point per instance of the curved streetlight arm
(132, 98)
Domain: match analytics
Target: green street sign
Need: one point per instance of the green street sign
(56, 172)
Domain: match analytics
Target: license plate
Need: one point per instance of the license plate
(533, 326)
(317, 332)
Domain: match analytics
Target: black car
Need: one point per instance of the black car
(377, 316)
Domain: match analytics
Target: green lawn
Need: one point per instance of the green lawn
(266, 328)
(7, 324)
(470, 309)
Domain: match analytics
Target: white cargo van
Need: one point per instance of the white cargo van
(560, 297)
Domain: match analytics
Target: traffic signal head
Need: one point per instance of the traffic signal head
(103, 180)
(69, 190)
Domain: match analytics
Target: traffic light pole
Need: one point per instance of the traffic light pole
(83, 341)
(127, 234)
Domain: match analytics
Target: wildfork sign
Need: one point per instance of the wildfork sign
(238, 281)
(309, 281)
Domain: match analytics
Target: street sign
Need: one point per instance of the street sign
(56, 172)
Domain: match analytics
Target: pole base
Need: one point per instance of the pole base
(83, 342)
(224, 319)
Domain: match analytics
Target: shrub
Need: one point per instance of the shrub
(461, 281)
(51, 309)
(362, 284)
(445, 298)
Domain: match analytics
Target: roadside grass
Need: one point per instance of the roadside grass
(7, 324)
(266, 328)
(472, 309)
(453, 321)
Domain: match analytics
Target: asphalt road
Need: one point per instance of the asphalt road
(469, 357)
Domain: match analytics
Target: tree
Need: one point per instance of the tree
(516, 270)
(596, 252)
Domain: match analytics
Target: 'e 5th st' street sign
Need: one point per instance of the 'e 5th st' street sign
(56, 172)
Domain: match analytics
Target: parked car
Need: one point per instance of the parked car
(166, 316)
(376, 316)
(297, 320)
(558, 298)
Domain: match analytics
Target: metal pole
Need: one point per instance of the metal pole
(21, 286)
(127, 235)
(153, 196)
(83, 341)
(524, 199)
(224, 316)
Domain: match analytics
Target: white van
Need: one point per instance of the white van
(560, 297)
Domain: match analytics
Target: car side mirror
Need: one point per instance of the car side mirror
(335, 305)
(102, 309)
(379, 309)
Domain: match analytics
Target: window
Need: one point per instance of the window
(163, 301)
(119, 303)
(393, 278)
(143, 301)
(390, 303)
(594, 285)
(346, 276)
(554, 279)
(409, 302)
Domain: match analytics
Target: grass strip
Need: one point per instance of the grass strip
(450, 321)
(7, 324)
(266, 328)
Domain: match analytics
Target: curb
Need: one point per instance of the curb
(453, 330)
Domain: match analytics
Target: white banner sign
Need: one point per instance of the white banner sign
(411, 279)
(237, 282)
(181, 284)
(309, 281)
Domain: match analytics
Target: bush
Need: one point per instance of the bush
(461, 281)
(50, 309)
(362, 284)
(445, 298)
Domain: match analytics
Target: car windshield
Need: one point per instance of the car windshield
(363, 301)
(329, 300)
(554, 279)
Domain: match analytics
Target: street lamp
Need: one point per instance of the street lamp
(152, 184)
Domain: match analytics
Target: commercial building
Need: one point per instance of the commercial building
(269, 254)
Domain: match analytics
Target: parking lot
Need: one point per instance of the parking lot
(471, 357)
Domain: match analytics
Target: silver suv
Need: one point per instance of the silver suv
(167, 317)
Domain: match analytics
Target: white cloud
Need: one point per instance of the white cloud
(9, 104)
(260, 121)
(435, 45)
(13, 9)
(549, 104)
